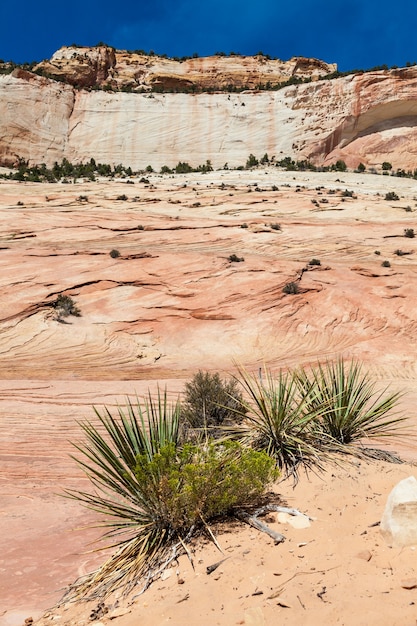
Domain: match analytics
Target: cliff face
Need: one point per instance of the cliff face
(103, 66)
(367, 118)
(35, 114)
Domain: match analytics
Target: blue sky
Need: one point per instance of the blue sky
(351, 33)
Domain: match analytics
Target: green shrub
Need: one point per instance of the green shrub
(339, 166)
(386, 166)
(211, 403)
(233, 258)
(409, 232)
(275, 226)
(114, 254)
(291, 288)
(377, 252)
(386, 264)
(252, 161)
(197, 483)
(183, 168)
(65, 306)
(315, 262)
(122, 197)
(391, 195)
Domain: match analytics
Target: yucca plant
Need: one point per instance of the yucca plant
(154, 493)
(109, 457)
(278, 420)
(351, 410)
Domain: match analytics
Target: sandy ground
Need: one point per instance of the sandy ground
(171, 304)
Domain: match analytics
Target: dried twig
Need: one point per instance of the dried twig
(212, 568)
(253, 521)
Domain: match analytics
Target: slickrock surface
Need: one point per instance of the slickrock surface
(173, 303)
(364, 118)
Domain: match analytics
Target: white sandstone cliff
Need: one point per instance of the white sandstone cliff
(367, 118)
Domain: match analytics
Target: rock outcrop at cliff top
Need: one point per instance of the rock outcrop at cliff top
(118, 69)
(368, 118)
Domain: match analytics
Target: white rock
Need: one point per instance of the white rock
(283, 518)
(399, 521)
(43, 121)
(299, 521)
(167, 573)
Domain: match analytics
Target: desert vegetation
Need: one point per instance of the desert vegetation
(157, 491)
(158, 484)
(67, 172)
(291, 288)
(234, 258)
(65, 306)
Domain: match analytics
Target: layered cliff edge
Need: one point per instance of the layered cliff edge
(369, 117)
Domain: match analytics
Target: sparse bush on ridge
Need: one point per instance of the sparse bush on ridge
(65, 306)
(65, 170)
(90, 170)
(233, 258)
(291, 288)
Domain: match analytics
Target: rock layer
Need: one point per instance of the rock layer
(103, 66)
(368, 118)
